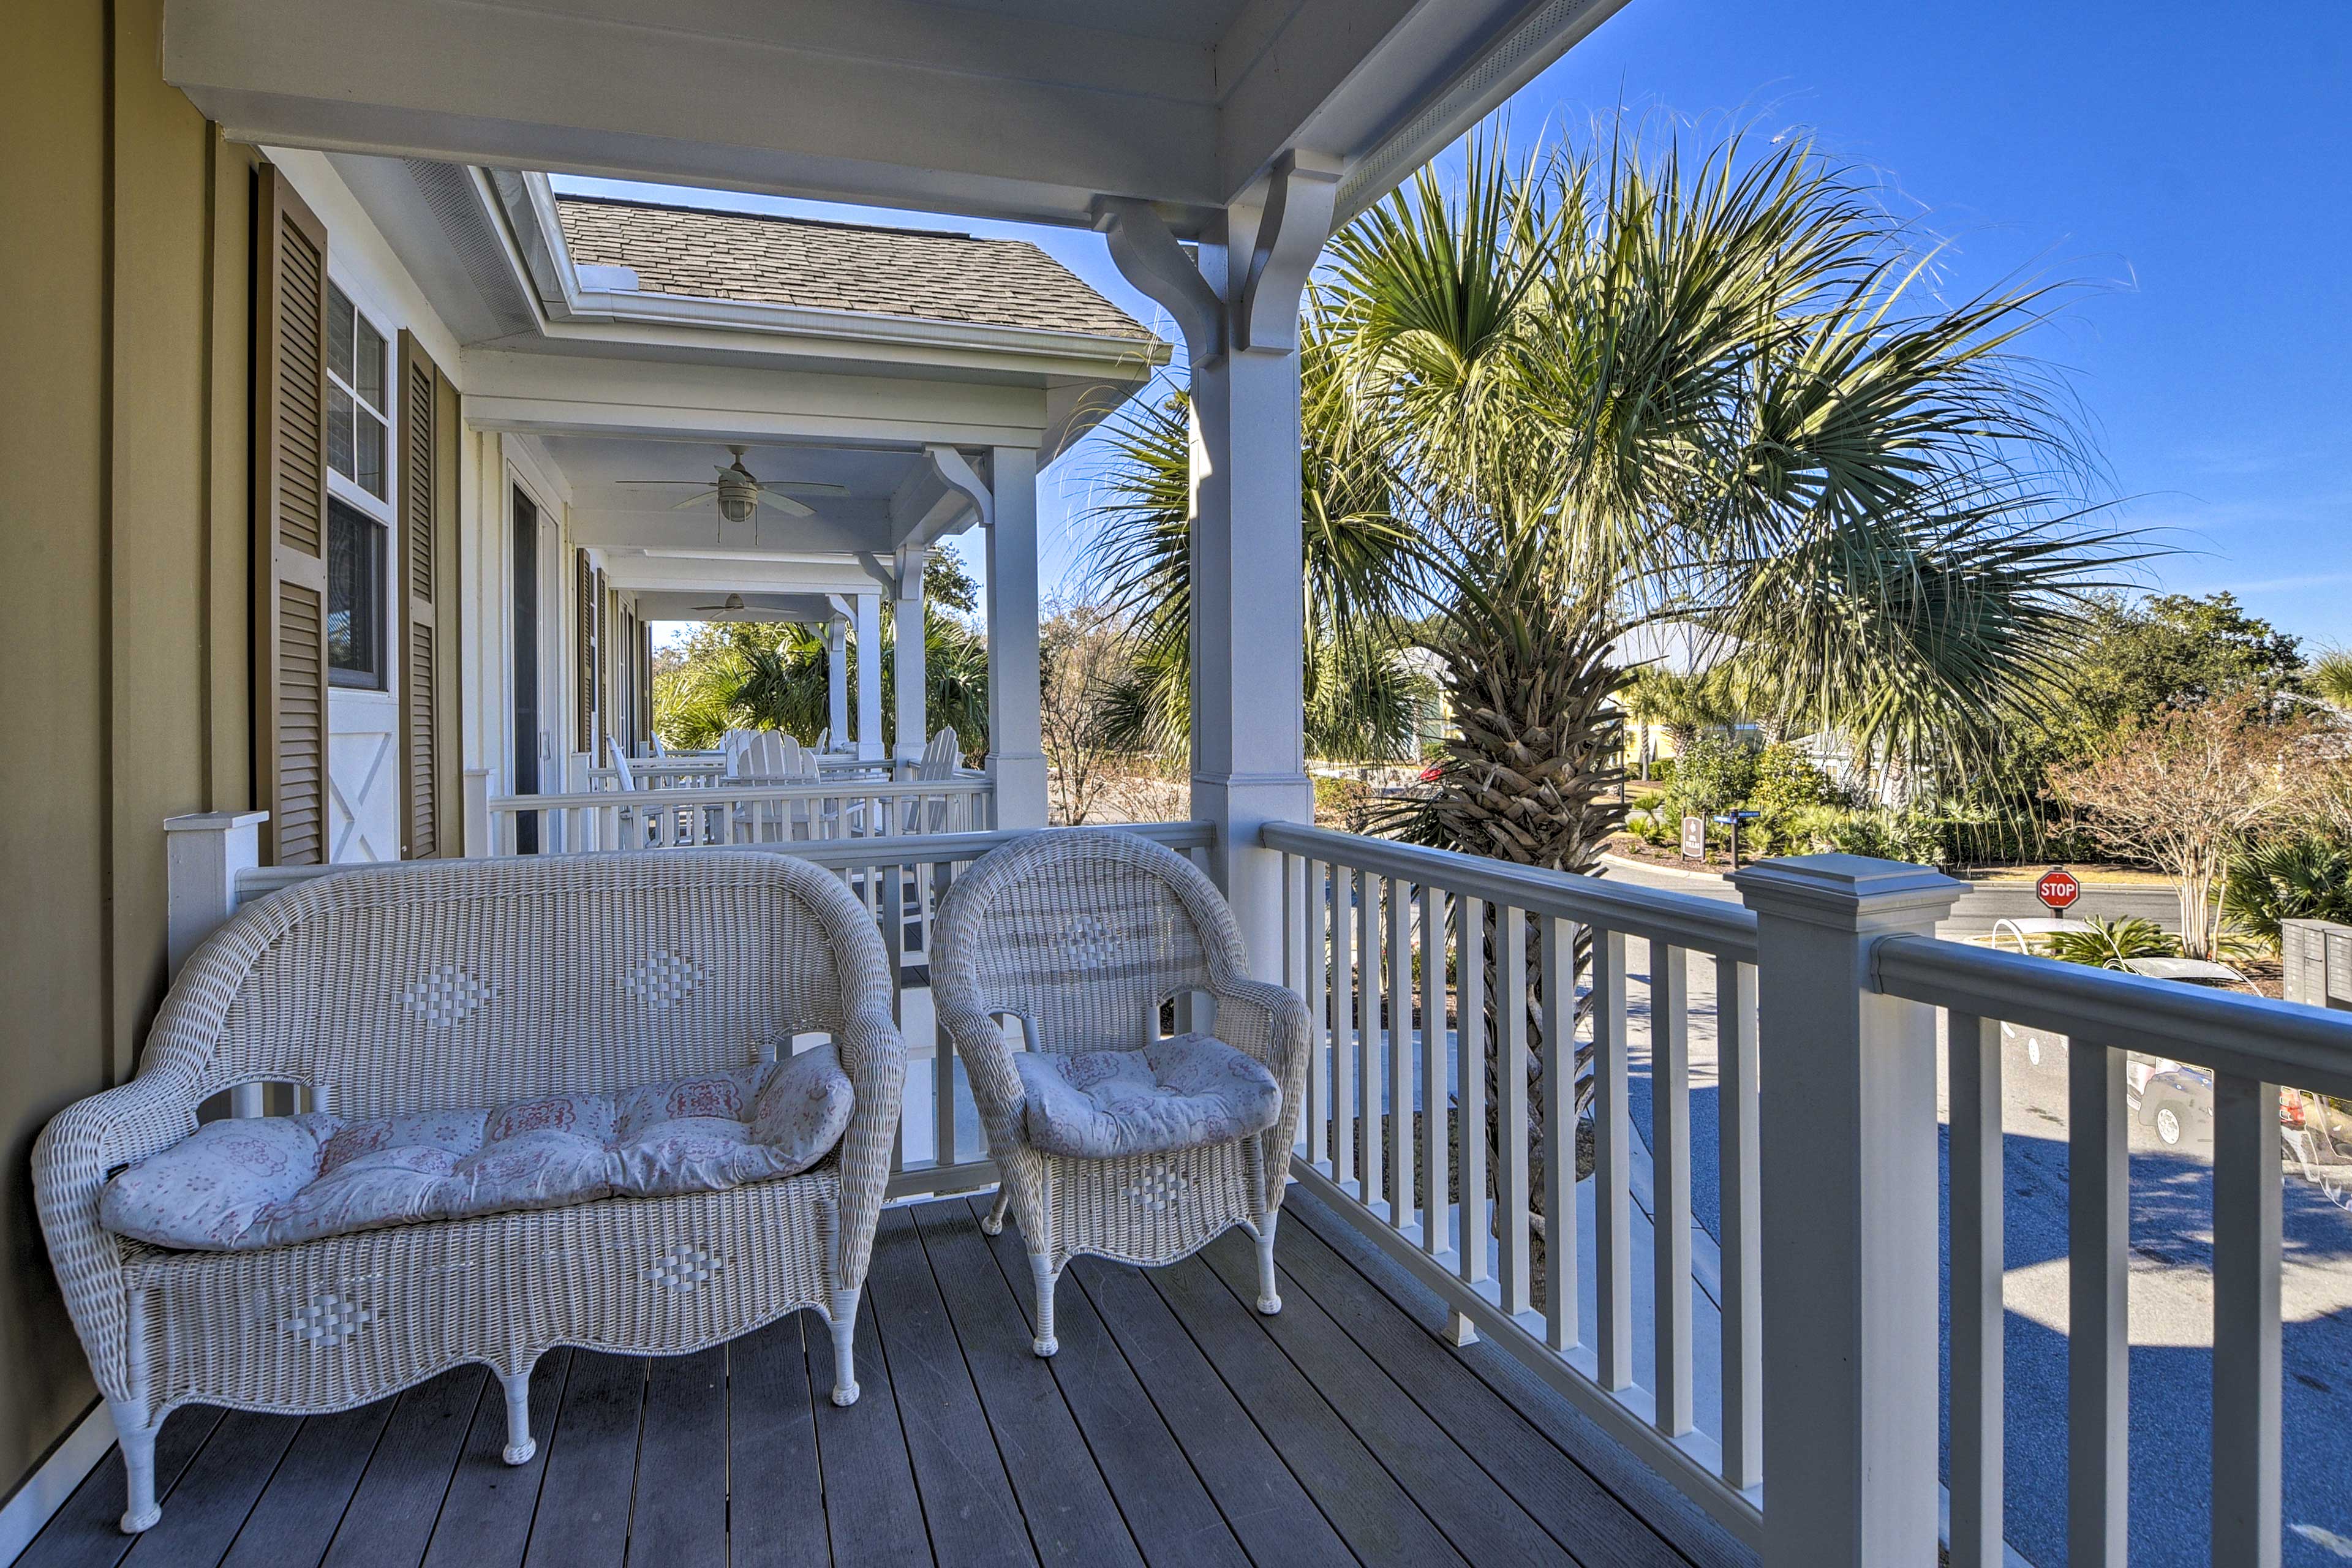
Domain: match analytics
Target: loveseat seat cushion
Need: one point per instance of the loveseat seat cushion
(234, 1185)
(1175, 1093)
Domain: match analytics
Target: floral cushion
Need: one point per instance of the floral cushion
(1172, 1094)
(231, 1186)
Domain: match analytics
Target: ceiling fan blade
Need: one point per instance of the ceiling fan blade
(785, 504)
(658, 481)
(811, 486)
(692, 501)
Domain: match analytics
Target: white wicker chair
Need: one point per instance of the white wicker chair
(443, 984)
(1083, 936)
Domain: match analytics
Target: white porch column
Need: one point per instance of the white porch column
(836, 682)
(1016, 749)
(1238, 309)
(870, 678)
(1848, 1146)
(908, 637)
(203, 852)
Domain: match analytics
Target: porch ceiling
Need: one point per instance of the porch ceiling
(1026, 110)
(889, 499)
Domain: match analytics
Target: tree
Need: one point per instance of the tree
(1360, 696)
(1082, 659)
(2170, 650)
(1685, 705)
(2186, 792)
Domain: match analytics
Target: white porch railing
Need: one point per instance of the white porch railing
(1827, 987)
(727, 814)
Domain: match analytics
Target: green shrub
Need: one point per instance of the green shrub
(2107, 944)
(1713, 775)
(2298, 879)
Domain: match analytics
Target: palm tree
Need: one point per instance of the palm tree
(1617, 390)
(1685, 705)
(2330, 679)
(1359, 696)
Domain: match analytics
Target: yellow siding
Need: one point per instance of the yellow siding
(121, 612)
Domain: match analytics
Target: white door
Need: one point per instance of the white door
(362, 802)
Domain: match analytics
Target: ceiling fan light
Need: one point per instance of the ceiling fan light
(737, 507)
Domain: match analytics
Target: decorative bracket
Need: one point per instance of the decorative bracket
(1149, 256)
(955, 471)
(1298, 205)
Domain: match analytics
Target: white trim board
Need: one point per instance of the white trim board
(45, 1491)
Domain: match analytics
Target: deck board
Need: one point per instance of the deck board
(967, 1496)
(1071, 1515)
(1176, 1427)
(1166, 1509)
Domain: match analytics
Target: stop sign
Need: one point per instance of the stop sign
(2058, 889)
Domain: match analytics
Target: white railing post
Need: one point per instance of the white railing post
(1848, 1137)
(475, 827)
(203, 852)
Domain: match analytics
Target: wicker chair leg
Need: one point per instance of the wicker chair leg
(1269, 1300)
(1041, 1266)
(520, 1444)
(845, 1339)
(995, 1223)
(138, 1465)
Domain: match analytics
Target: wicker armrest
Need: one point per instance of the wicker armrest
(873, 1054)
(81, 1147)
(1270, 1023)
(979, 1039)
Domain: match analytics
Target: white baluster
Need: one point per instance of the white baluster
(1559, 951)
(1436, 1216)
(1613, 1172)
(1743, 1240)
(2098, 1346)
(1470, 1081)
(1669, 1167)
(2246, 1361)
(1511, 1110)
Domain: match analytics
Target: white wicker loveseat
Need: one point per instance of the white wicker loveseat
(422, 992)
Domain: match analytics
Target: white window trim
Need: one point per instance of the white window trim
(384, 509)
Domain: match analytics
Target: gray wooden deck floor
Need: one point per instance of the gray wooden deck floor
(1176, 1427)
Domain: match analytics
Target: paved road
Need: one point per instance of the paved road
(2171, 1315)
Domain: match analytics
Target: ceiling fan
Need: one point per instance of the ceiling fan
(740, 494)
(732, 605)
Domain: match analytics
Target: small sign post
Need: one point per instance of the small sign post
(1732, 820)
(1694, 837)
(2058, 890)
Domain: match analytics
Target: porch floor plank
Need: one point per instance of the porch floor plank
(1583, 1516)
(967, 1498)
(1176, 1427)
(1071, 1514)
(302, 1507)
(1376, 1517)
(585, 1496)
(1168, 1510)
(775, 1515)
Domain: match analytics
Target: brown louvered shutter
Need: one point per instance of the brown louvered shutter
(289, 545)
(583, 637)
(427, 633)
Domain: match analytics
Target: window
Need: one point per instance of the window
(354, 597)
(355, 394)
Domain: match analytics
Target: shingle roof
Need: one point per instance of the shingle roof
(813, 265)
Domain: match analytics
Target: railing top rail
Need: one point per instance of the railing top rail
(1681, 920)
(2276, 1042)
(603, 799)
(833, 854)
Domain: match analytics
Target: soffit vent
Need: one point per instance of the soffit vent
(455, 201)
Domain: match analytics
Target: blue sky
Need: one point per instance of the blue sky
(2186, 164)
